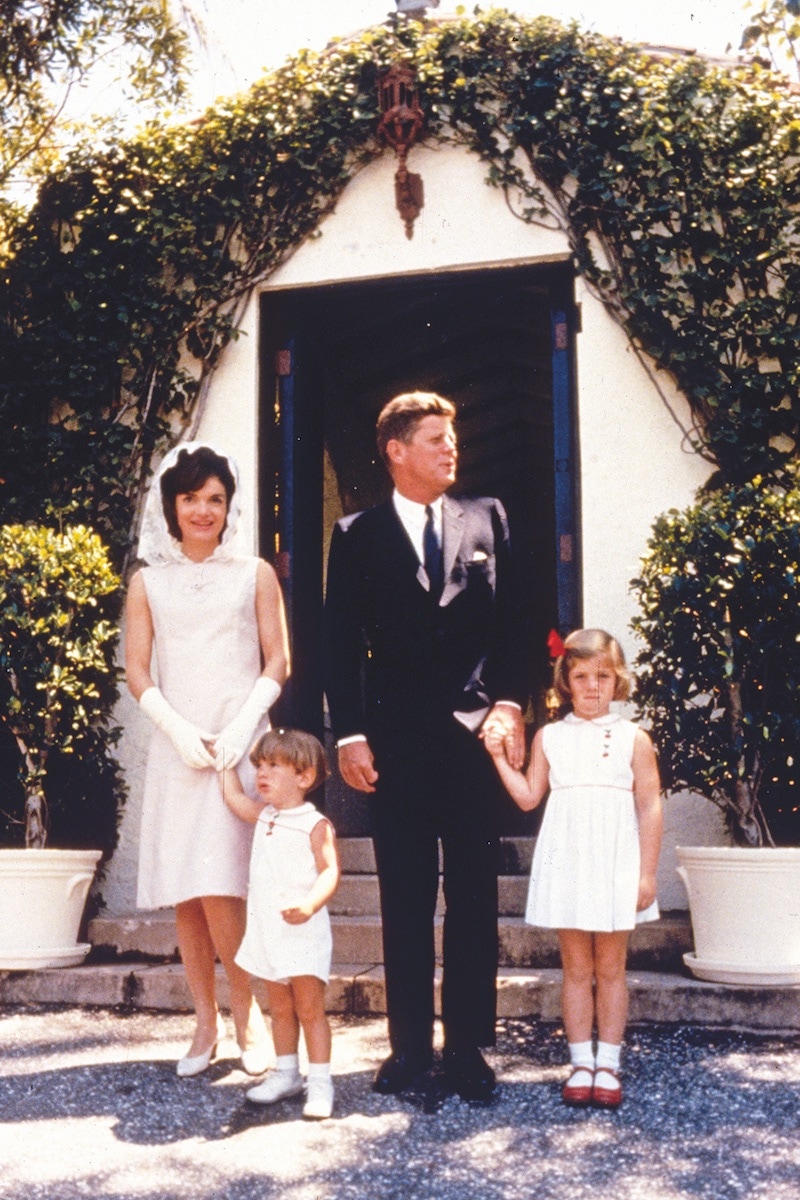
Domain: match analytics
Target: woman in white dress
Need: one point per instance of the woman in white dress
(206, 657)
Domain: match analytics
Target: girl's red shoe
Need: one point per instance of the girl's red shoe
(577, 1091)
(606, 1097)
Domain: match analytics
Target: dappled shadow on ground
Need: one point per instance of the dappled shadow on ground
(713, 1115)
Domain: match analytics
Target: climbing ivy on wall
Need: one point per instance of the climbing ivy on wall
(675, 181)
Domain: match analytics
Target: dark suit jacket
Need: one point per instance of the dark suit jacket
(396, 660)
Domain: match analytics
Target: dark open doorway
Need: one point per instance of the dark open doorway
(499, 344)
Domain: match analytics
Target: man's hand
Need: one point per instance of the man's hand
(505, 723)
(356, 765)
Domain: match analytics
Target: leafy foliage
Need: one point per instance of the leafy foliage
(675, 183)
(58, 680)
(775, 28)
(49, 47)
(719, 675)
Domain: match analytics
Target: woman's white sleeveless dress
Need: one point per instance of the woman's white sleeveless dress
(207, 658)
(282, 871)
(585, 871)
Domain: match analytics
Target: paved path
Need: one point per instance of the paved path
(91, 1107)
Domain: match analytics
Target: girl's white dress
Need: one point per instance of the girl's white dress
(585, 872)
(282, 872)
(207, 658)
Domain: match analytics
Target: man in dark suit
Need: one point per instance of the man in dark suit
(423, 658)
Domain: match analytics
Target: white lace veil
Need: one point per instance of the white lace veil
(156, 543)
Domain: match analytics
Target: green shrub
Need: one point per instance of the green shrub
(719, 675)
(59, 602)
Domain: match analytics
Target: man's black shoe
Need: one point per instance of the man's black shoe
(398, 1071)
(469, 1074)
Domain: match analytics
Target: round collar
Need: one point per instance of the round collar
(610, 718)
(270, 813)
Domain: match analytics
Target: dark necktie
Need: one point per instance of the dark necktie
(434, 565)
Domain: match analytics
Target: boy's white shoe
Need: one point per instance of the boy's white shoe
(319, 1100)
(277, 1086)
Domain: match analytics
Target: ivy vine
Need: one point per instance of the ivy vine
(675, 182)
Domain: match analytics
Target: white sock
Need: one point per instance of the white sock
(289, 1064)
(319, 1071)
(581, 1054)
(608, 1056)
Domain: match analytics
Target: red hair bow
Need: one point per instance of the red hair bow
(555, 644)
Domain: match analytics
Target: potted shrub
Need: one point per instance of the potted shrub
(719, 684)
(58, 684)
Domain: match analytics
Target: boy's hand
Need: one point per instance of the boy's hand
(298, 914)
(230, 783)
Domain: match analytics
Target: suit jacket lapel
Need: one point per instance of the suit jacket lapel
(453, 522)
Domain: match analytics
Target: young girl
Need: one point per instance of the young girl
(294, 871)
(594, 866)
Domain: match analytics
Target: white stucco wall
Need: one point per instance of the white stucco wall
(633, 465)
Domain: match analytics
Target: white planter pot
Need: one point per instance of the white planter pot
(745, 907)
(42, 895)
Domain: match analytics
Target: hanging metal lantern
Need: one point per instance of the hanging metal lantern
(401, 121)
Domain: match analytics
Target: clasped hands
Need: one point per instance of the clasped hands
(200, 749)
(504, 726)
(503, 731)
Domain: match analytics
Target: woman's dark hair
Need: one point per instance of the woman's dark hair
(191, 471)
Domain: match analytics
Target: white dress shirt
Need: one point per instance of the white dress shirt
(413, 518)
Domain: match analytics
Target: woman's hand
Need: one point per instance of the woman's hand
(647, 892)
(190, 742)
(236, 738)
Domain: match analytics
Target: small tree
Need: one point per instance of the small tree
(719, 674)
(58, 638)
(774, 29)
(48, 49)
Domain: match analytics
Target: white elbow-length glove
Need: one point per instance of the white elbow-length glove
(236, 738)
(186, 738)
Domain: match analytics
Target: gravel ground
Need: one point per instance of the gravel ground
(91, 1106)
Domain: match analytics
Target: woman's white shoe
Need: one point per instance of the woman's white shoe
(195, 1064)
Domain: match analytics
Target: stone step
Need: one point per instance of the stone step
(358, 990)
(657, 945)
(356, 856)
(358, 896)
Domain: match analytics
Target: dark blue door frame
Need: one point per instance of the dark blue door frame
(565, 460)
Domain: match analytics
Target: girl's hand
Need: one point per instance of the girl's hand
(494, 743)
(647, 892)
(298, 914)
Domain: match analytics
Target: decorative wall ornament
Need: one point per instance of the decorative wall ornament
(400, 124)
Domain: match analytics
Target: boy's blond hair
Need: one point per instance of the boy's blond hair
(295, 747)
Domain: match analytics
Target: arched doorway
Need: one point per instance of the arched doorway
(496, 341)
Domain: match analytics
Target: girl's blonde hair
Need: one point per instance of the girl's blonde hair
(295, 747)
(587, 643)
